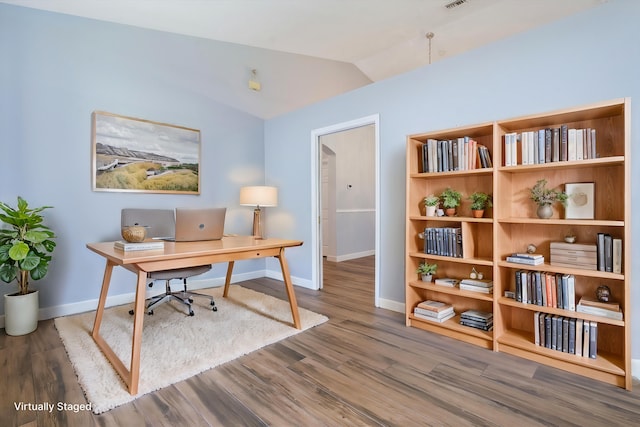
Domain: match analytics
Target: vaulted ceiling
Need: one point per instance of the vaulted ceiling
(368, 40)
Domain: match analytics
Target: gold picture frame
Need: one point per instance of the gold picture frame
(137, 155)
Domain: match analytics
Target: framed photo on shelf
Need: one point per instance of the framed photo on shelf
(580, 200)
(136, 155)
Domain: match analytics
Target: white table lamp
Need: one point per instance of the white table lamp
(258, 196)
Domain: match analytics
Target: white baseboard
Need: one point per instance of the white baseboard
(391, 305)
(351, 256)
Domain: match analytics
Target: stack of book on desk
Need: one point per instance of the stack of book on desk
(528, 259)
(434, 311)
(147, 245)
(609, 310)
(477, 319)
(477, 285)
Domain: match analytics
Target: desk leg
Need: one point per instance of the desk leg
(106, 280)
(227, 281)
(137, 332)
(289, 286)
(131, 376)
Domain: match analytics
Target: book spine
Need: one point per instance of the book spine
(593, 340)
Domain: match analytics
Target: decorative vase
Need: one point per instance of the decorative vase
(450, 211)
(21, 313)
(134, 233)
(431, 210)
(478, 213)
(427, 277)
(545, 211)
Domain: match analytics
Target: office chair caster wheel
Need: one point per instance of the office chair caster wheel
(190, 300)
(150, 312)
(191, 313)
(214, 308)
(131, 312)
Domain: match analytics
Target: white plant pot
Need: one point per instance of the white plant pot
(431, 210)
(21, 313)
(427, 277)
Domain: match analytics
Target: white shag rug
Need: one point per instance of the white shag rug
(175, 346)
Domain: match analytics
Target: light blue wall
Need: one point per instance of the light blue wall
(589, 57)
(55, 70)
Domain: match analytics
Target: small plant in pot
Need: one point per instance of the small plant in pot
(426, 270)
(450, 201)
(479, 202)
(545, 197)
(25, 252)
(431, 204)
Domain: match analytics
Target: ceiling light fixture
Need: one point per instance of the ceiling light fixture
(254, 84)
(429, 37)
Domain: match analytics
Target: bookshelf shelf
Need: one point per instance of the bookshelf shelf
(523, 340)
(511, 225)
(551, 310)
(452, 327)
(546, 267)
(452, 291)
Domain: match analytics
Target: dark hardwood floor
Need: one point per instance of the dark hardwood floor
(363, 367)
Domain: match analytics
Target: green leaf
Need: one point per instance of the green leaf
(30, 262)
(8, 272)
(19, 251)
(4, 253)
(39, 271)
(35, 236)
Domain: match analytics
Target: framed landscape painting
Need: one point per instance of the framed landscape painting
(139, 155)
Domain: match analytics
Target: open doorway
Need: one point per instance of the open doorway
(345, 195)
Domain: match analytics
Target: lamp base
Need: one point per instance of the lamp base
(257, 224)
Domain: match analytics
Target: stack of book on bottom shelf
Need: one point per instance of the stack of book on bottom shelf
(477, 319)
(566, 334)
(477, 285)
(434, 311)
(610, 310)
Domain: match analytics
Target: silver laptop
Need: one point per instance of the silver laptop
(195, 224)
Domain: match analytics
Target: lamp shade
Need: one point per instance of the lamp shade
(259, 196)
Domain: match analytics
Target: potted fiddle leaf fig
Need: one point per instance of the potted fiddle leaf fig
(25, 252)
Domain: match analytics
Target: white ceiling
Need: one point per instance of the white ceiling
(382, 38)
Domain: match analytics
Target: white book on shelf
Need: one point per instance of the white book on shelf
(579, 144)
(514, 149)
(524, 146)
(571, 145)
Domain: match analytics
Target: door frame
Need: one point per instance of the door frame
(316, 196)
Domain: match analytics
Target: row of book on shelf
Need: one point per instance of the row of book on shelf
(566, 334)
(559, 291)
(444, 241)
(439, 312)
(484, 286)
(604, 255)
(454, 155)
(549, 145)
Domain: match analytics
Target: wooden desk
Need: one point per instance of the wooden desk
(179, 255)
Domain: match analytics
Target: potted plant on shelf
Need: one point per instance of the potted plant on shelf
(426, 270)
(450, 201)
(25, 252)
(545, 197)
(479, 202)
(431, 204)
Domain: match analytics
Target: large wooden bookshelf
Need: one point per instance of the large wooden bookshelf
(512, 225)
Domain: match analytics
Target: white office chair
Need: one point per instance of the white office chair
(161, 223)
